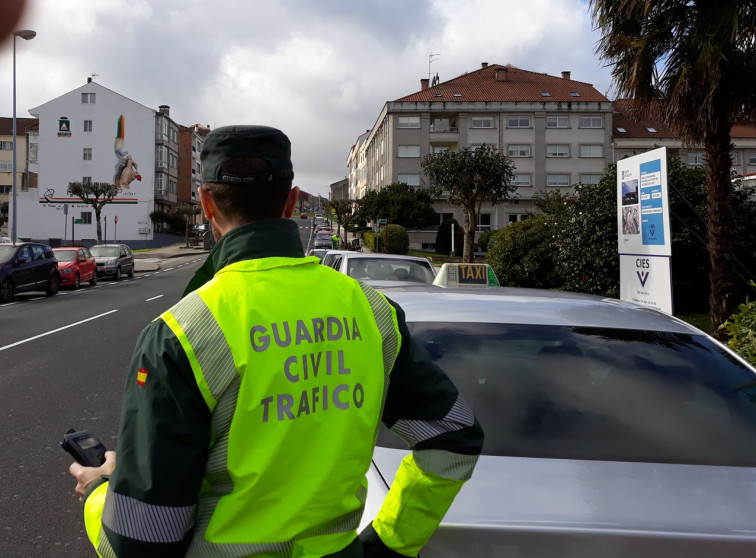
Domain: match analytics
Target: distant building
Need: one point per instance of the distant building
(556, 130)
(190, 141)
(339, 190)
(24, 128)
(356, 163)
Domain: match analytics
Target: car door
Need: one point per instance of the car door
(41, 266)
(87, 265)
(24, 276)
(127, 259)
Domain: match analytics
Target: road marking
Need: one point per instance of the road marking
(169, 269)
(153, 298)
(55, 330)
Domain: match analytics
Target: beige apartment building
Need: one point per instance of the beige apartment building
(24, 127)
(558, 132)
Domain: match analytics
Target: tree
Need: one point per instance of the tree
(187, 213)
(96, 194)
(692, 65)
(343, 209)
(470, 177)
(400, 204)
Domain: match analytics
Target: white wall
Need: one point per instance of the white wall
(60, 161)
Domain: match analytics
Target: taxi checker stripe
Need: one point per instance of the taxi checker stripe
(459, 417)
(207, 341)
(445, 464)
(140, 521)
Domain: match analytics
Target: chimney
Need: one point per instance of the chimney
(484, 64)
(566, 75)
(424, 84)
(501, 74)
(165, 109)
(89, 80)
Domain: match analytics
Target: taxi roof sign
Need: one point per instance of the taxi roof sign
(466, 275)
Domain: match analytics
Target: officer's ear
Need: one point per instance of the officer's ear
(291, 202)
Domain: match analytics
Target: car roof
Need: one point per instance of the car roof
(430, 303)
(375, 255)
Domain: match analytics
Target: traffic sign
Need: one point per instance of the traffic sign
(78, 221)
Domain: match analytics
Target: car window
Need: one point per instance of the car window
(589, 393)
(65, 255)
(85, 253)
(38, 252)
(25, 253)
(105, 251)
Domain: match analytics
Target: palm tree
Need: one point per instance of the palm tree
(691, 64)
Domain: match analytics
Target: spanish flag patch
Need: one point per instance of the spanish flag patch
(141, 376)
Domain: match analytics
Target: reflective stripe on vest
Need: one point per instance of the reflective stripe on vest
(305, 367)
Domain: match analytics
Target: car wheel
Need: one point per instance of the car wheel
(6, 291)
(131, 271)
(117, 274)
(77, 281)
(53, 285)
(93, 280)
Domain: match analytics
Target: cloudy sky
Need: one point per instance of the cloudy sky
(321, 70)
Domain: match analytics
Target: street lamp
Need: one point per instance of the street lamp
(26, 34)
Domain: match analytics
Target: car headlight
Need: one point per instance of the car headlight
(110, 263)
(66, 271)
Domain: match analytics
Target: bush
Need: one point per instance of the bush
(741, 329)
(484, 239)
(368, 239)
(523, 254)
(443, 238)
(396, 239)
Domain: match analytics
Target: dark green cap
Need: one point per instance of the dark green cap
(228, 143)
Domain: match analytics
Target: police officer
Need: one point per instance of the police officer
(335, 241)
(251, 406)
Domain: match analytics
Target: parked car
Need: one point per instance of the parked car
(113, 260)
(384, 267)
(319, 252)
(331, 256)
(612, 429)
(75, 265)
(303, 216)
(6, 240)
(322, 239)
(27, 266)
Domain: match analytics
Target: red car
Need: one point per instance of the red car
(75, 265)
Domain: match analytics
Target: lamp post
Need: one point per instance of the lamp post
(26, 34)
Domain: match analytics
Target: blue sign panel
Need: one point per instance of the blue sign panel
(652, 203)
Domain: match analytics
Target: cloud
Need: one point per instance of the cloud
(321, 71)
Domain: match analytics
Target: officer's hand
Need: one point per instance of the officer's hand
(85, 476)
(374, 547)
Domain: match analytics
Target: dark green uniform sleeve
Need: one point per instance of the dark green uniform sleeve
(425, 409)
(161, 453)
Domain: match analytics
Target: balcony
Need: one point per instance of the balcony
(444, 133)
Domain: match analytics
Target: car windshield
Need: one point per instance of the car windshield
(7, 252)
(66, 255)
(386, 269)
(324, 236)
(104, 251)
(590, 393)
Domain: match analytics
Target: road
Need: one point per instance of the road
(62, 365)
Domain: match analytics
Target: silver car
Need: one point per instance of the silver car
(612, 430)
(372, 267)
(113, 260)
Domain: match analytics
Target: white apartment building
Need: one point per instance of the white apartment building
(87, 135)
(558, 132)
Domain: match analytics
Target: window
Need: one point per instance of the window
(6, 146)
(161, 157)
(734, 158)
(87, 98)
(87, 153)
(160, 184)
(591, 150)
(696, 159)
(6, 188)
(557, 121)
(86, 180)
(574, 94)
(484, 222)
(6, 165)
(557, 150)
(752, 159)
(86, 216)
(521, 180)
(518, 150)
(409, 122)
(441, 148)
(621, 130)
(173, 134)
(171, 186)
(651, 130)
(545, 94)
(590, 178)
(515, 217)
(557, 180)
(518, 122)
(481, 122)
(409, 179)
(172, 160)
(87, 125)
(591, 122)
(409, 151)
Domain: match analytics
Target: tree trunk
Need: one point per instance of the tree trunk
(470, 226)
(98, 212)
(718, 189)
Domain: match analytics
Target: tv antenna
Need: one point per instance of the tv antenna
(94, 76)
(431, 58)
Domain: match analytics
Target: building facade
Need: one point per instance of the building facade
(190, 141)
(557, 131)
(24, 128)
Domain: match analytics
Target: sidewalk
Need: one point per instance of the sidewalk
(149, 260)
